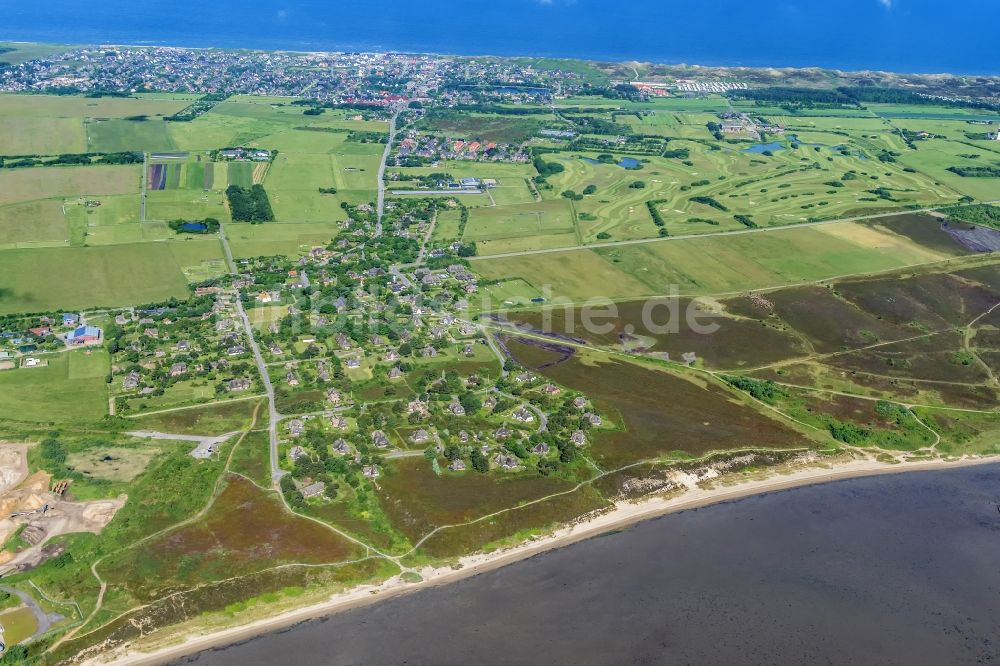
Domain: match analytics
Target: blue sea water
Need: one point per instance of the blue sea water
(897, 569)
(895, 35)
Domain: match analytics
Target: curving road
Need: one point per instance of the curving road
(44, 620)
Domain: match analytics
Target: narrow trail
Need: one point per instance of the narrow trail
(202, 405)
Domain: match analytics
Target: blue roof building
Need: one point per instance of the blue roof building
(69, 319)
(83, 334)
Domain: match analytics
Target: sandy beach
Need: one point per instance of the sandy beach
(621, 515)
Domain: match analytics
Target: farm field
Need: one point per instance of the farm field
(33, 223)
(35, 280)
(186, 204)
(289, 238)
(17, 185)
(99, 206)
(50, 125)
(717, 265)
(532, 226)
(120, 135)
(70, 388)
(293, 183)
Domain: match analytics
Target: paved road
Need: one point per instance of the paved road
(272, 413)
(380, 209)
(492, 344)
(427, 239)
(44, 620)
(737, 232)
(399, 275)
(543, 420)
(206, 445)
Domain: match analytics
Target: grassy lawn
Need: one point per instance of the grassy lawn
(18, 185)
(714, 265)
(33, 223)
(34, 280)
(255, 240)
(18, 624)
(70, 388)
(498, 229)
(116, 135)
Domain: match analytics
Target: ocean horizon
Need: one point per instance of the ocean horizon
(889, 35)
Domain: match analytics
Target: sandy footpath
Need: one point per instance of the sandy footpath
(621, 515)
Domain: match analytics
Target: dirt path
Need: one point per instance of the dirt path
(216, 489)
(198, 406)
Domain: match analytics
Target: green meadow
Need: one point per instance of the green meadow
(50, 125)
(37, 280)
(70, 388)
(713, 264)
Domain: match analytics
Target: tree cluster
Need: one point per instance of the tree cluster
(249, 205)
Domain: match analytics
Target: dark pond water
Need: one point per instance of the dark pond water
(897, 569)
(625, 162)
(194, 226)
(773, 146)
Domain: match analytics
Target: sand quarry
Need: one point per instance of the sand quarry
(28, 500)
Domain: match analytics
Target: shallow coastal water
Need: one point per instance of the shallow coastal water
(894, 569)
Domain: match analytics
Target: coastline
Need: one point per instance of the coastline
(620, 516)
(690, 61)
